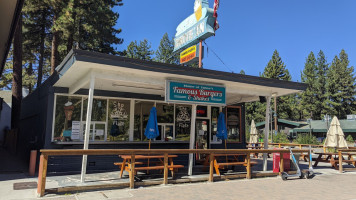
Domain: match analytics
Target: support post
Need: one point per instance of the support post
(87, 127)
(200, 53)
(268, 101)
(281, 164)
(42, 173)
(340, 161)
(248, 166)
(165, 176)
(192, 138)
(132, 119)
(132, 172)
(275, 115)
(211, 169)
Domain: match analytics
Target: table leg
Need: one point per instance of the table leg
(248, 167)
(340, 162)
(281, 164)
(165, 176)
(122, 167)
(211, 169)
(216, 167)
(132, 172)
(317, 160)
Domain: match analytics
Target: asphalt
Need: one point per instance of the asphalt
(327, 184)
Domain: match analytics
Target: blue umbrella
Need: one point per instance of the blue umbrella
(151, 131)
(222, 131)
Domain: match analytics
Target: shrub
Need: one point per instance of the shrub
(349, 139)
(280, 138)
(306, 139)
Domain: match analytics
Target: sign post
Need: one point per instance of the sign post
(200, 52)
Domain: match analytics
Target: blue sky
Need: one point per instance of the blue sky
(250, 30)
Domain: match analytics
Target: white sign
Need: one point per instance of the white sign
(75, 130)
(99, 132)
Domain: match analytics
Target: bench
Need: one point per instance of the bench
(172, 168)
(218, 166)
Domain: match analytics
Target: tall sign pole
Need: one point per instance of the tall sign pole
(200, 53)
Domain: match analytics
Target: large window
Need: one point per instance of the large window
(233, 122)
(118, 120)
(67, 119)
(183, 117)
(214, 123)
(142, 112)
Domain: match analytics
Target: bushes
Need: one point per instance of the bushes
(280, 138)
(349, 139)
(306, 139)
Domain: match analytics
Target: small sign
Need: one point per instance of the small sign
(190, 54)
(75, 130)
(194, 93)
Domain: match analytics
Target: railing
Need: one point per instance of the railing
(45, 153)
(280, 145)
(340, 151)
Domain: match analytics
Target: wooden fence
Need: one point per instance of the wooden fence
(133, 152)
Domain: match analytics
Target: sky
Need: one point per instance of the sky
(250, 30)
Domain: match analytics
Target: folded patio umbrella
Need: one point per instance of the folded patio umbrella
(222, 131)
(151, 131)
(335, 136)
(253, 133)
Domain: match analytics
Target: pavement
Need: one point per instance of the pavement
(327, 184)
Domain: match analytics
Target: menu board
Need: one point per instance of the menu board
(75, 130)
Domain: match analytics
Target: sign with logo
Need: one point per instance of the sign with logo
(194, 93)
(198, 26)
(189, 55)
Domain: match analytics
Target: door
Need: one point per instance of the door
(201, 136)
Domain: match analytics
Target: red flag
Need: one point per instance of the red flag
(216, 6)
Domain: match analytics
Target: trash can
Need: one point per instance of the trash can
(276, 161)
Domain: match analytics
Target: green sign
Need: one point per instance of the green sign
(194, 93)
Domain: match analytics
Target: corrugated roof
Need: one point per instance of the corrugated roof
(320, 126)
(283, 121)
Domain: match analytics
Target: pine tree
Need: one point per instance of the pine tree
(341, 87)
(309, 76)
(140, 50)
(320, 86)
(165, 51)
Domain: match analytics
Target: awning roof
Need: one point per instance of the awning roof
(9, 13)
(115, 73)
(320, 126)
(282, 121)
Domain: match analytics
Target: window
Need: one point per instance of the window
(98, 125)
(214, 123)
(183, 117)
(67, 118)
(142, 112)
(118, 120)
(233, 121)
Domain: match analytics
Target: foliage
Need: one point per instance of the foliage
(320, 86)
(280, 138)
(306, 139)
(341, 87)
(140, 50)
(164, 52)
(308, 77)
(350, 139)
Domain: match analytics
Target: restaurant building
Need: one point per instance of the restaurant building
(121, 91)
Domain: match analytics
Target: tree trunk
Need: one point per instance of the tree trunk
(54, 53)
(40, 63)
(17, 77)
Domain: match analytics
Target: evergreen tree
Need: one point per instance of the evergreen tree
(341, 87)
(320, 86)
(242, 72)
(309, 76)
(140, 50)
(165, 51)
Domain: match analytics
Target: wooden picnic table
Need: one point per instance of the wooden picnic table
(221, 161)
(333, 159)
(146, 162)
(255, 147)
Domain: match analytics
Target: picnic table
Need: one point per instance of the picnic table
(146, 162)
(333, 159)
(255, 147)
(221, 161)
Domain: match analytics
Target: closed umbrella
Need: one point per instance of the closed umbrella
(253, 133)
(222, 131)
(335, 136)
(151, 131)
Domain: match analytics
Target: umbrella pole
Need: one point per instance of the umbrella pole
(148, 162)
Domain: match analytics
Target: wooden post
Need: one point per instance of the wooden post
(132, 172)
(200, 53)
(281, 164)
(165, 176)
(300, 146)
(248, 167)
(211, 169)
(279, 145)
(340, 161)
(42, 173)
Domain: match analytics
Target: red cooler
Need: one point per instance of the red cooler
(276, 161)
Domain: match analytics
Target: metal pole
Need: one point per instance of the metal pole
(87, 127)
(200, 53)
(275, 115)
(192, 139)
(265, 141)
